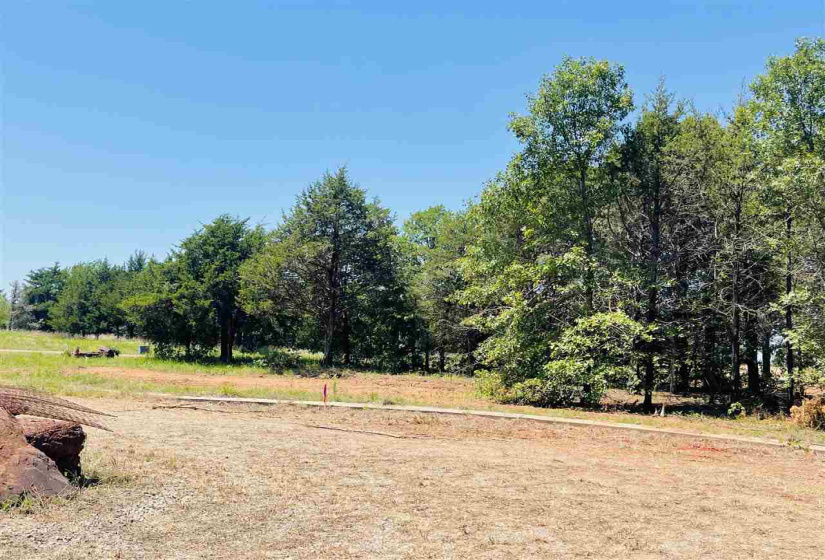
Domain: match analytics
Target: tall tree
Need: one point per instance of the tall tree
(645, 204)
(333, 262)
(571, 125)
(87, 303)
(438, 238)
(211, 259)
(172, 310)
(16, 306)
(790, 98)
(5, 310)
(41, 290)
(734, 204)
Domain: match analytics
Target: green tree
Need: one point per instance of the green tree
(172, 310)
(535, 263)
(41, 290)
(437, 239)
(211, 259)
(790, 102)
(18, 314)
(646, 208)
(5, 310)
(333, 265)
(85, 305)
(570, 128)
(734, 202)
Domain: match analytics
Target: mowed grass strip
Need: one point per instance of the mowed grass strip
(56, 342)
(133, 377)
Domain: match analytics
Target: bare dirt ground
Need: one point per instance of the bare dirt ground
(245, 482)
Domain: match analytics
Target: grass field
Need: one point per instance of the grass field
(35, 340)
(127, 377)
(183, 481)
(287, 482)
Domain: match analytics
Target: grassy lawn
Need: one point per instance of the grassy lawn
(34, 340)
(129, 377)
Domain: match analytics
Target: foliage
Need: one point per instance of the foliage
(210, 262)
(736, 410)
(41, 290)
(330, 277)
(810, 414)
(87, 303)
(666, 248)
(279, 360)
(434, 240)
(5, 310)
(596, 353)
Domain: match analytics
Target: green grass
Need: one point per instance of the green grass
(46, 372)
(35, 340)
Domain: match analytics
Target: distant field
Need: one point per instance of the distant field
(128, 377)
(35, 340)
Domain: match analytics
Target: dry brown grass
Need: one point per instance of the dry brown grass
(245, 482)
(414, 388)
(810, 414)
(450, 392)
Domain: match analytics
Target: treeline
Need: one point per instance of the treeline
(623, 245)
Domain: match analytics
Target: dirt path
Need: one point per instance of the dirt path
(250, 482)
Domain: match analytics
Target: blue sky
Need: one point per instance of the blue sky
(127, 124)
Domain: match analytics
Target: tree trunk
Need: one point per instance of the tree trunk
(589, 238)
(334, 288)
(346, 342)
(684, 378)
(442, 359)
(225, 356)
(230, 343)
(754, 381)
(766, 358)
(427, 361)
(711, 378)
(649, 374)
(736, 346)
(736, 330)
(789, 362)
(654, 253)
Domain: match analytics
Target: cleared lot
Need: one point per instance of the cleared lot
(278, 483)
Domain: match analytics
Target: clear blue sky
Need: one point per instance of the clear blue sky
(126, 124)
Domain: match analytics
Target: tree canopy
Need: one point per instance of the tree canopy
(626, 245)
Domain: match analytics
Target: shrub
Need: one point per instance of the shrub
(565, 382)
(491, 385)
(279, 359)
(736, 410)
(576, 369)
(810, 414)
